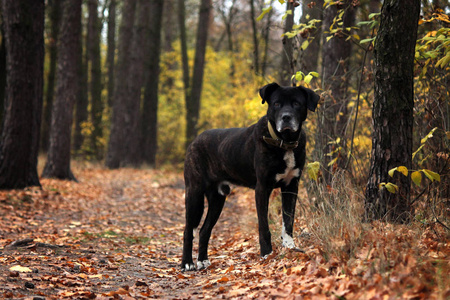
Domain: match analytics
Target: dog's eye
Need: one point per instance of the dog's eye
(296, 104)
(277, 105)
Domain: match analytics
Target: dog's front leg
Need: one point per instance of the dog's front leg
(262, 195)
(289, 199)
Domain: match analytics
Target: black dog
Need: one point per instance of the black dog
(264, 156)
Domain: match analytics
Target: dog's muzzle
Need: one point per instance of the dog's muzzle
(287, 121)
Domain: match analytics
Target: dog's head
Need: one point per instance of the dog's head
(288, 107)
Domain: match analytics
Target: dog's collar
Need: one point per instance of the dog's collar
(274, 140)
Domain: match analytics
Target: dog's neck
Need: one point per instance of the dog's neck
(276, 141)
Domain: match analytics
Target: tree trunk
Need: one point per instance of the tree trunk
(333, 114)
(81, 112)
(255, 37)
(2, 74)
(393, 110)
(58, 160)
(19, 143)
(94, 28)
(150, 107)
(266, 37)
(135, 83)
(55, 16)
(193, 105)
(110, 56)
(184, 54)
(310, 56)
(287, 59)
(120, 115)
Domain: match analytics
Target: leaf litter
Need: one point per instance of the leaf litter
(117, 234)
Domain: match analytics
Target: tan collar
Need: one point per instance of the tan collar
(276, 141)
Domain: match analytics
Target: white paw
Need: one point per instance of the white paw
(203, 264)
(189, 267)
(288, 241)
(266, 256)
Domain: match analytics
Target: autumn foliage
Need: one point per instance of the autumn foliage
(118, 234)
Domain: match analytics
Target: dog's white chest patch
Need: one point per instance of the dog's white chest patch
(291, 171)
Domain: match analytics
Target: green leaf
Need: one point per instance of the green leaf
(432, 175)
(420, 148)
(299, 76)
(403, 170)
(392, 188)
(332, 162)
(366, 41)
(305, 45)
(264, 12)
(315, 74)
(313, 170)
(416, 177)
(374, 15)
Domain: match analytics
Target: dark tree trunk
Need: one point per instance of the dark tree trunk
(110, 56)
(287, 58)
(333, 114)
(184, 54)
(19, 143)
(58, 160)
(2, 74)
(310, 56)
(255, 37)
(193, 103)
(266, 36)
(81, 112)
(55, 16)
(120, 115)
(135, 83)
(168, 24)
(150, 107)
(393, 110)
(93, 46)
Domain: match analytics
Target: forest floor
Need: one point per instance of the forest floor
(118, 235)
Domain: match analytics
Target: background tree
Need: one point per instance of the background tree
(110, 56)
(309, 61)
(149, 116)
(287, 51)
(54, 8)
(95, 87)
(333, 114)
(184, 54)
(120, 114)
(193, 103)
(19, 144)
(2, 70)
(393, 109)
(58, 160)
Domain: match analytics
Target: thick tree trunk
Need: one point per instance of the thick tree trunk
(19, 143)
(333, 114)
(110, 56)
(120, 115)
(94, 28)
(287, 57)
(135, 82)
(393, 110)
(58, 160)
(150, 108)
(193, 105)
(55, 16)
(266, 36)
(310, 57)
(2, 75)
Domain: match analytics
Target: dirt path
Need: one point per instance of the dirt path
(118, 234)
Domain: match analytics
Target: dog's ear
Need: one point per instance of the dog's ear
(267, 90)
(312, 99)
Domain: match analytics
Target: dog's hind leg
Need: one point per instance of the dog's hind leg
(216, 200)
(289, 199)
(194, 210)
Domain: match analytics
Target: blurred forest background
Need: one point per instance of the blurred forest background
(151, 75)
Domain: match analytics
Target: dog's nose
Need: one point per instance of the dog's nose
(286, 118)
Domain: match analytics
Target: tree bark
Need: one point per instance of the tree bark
(94, 29)
(287, 58)
(266, 36)
(19, 143)
(310, 56)
(393, 110)
(184, 54)
(193, 105)
(255, 37)
(333, 114)
(2, 74)
(110, 56)
(150, 106)
(58, 160)
(55, 16)
(120, 115)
